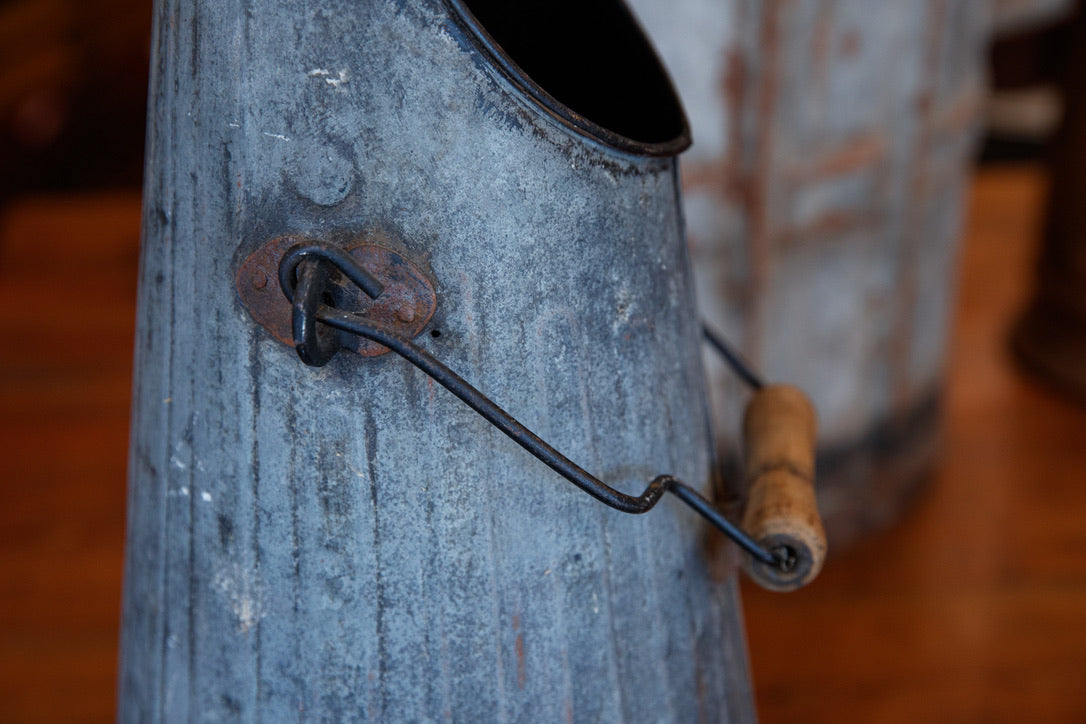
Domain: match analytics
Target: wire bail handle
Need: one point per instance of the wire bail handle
(781, 532)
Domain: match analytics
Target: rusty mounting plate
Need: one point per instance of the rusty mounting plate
(405, 307)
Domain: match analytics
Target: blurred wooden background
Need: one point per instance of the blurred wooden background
(73, 82)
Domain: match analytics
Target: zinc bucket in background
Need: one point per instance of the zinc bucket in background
(824, 196)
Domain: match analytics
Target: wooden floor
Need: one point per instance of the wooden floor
(972, 610)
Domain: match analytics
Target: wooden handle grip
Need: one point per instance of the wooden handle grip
(779, 452)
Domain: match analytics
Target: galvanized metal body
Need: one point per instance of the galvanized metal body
(824, 197)
(352, 542)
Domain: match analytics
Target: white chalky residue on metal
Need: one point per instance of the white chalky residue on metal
(242, 590)
(336, 82)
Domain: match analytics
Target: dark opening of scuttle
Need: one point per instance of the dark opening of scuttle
(592, 57)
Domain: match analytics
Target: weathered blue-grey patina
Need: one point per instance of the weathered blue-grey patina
(351, 542)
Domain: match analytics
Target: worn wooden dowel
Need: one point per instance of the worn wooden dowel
(779, 452)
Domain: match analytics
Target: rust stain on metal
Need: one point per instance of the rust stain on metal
(851, 44)
(833, 224)
(821, 51)
(406, 306)
(759, 185)
(961, 112)
(522, 669)
(258, 287)
(711, 176)
(908, 268)
(734, 179)
(851, 156)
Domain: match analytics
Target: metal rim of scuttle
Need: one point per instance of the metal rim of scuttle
(566, 116)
